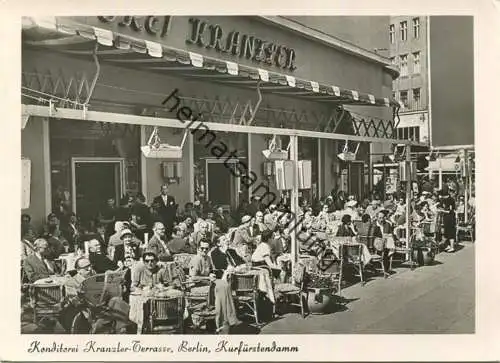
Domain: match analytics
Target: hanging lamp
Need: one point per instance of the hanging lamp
(155, 149)
(274, 153)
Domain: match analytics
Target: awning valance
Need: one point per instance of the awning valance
(80, 40)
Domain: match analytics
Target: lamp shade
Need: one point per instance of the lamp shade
(347, 156)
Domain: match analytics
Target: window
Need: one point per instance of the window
(416, 62)
(404, 30)
(403, 98)
(404, 64)
(416, 99)
(392, 34)
(416, 28)
(408, 133)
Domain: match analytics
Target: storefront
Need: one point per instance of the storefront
(94, 88)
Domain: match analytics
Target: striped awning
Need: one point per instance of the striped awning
(80, 40)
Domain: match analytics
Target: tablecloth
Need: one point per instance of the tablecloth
(54, 280)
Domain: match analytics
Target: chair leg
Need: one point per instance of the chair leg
(255, 311)
(301, 298)
(340, 281)
(360, 267)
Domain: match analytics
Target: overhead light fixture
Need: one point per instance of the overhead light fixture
(275, 153)
(347, 155)
(155, 149)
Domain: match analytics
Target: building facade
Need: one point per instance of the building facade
(95, 88)
(435, 57)
(409, 52)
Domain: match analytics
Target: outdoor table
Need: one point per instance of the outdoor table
(335, 244)
(54, 280)
(140, 297)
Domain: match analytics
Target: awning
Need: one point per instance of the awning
(80, 40)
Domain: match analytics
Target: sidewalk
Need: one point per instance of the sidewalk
(431, 299)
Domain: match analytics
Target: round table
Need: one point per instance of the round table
(139, 297)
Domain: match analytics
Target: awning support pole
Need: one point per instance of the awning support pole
(94, 81)
(408, 206)
(294, 199)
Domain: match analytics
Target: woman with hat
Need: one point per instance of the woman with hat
(243, 242)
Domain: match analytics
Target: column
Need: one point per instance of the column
(294, 200)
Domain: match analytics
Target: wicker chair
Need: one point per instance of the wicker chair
(245, 289)
(183, 260)
(46, 300)
(351, 255)
(296, 288)
(166, 314)
(377, 254)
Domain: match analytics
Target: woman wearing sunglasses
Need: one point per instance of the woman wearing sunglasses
(151, 274)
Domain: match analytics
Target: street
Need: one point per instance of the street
(431, 299)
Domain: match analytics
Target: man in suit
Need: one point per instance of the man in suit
(166, 209)
(221, 221)
(36, 266)
(100, 262)
(158, 245)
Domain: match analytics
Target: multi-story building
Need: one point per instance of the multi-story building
(409, 51)
(435, 57)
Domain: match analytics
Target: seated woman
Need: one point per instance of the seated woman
(225, 311)
(150, 274)
(222, 257)
(346, 229)
(365, 230)
(262, 254)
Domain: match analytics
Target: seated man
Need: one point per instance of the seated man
(158, 245)
(116, 310)
(36, 266)
(100, 262)
(178, 243)
(225, 311)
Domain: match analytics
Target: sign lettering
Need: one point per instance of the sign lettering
(212, 36)
(153, 25)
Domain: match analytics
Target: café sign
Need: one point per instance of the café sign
(151, 24)
(212, 36)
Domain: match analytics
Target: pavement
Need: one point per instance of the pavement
(436, 299)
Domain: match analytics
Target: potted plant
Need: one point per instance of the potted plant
(320, 288)
(424, 251)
